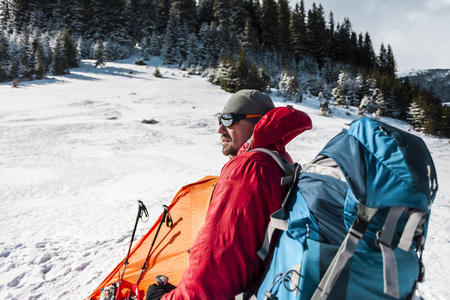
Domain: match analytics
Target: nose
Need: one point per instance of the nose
(222, 129)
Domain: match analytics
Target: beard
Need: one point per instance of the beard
(227, 146)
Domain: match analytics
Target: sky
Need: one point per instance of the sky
(417, 30)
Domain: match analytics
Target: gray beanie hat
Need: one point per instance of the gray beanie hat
(249, 102)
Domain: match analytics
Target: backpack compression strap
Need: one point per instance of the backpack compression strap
(384, 240)
(345, 252)
(277, 219)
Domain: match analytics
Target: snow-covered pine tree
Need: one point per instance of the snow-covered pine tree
(170, 51)
(417, 117)
(379, 102)
(342, 90)
(367, 105)
(83, 47)
(192, 55)
(288, 86)
(210, 48)
(325, 108)
(5, 15)
(98, 54)
(145, 48)
(227, 73)
(155, 45)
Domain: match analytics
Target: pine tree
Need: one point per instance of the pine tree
(99, 54)
(297, 28)
(446, 121)
(288, 86)
(155, 45)
(170, 51)
(250, 39)
(142, 18)
(26, 56)
(340, 92)
(316, 34)
(325, 108)
(269, 24)
(380, 103)
(331, 39)
(5, 15)
(192, 51)
(210, 48)
(342, 41)
(185, 11)
(284, 36)
(222, 13)
(368, 54)
(391, 64)
(162, 8)
(157, 73)
(20, 13)
(242, 69)
(382, 61)
(205, 12)
(227, 74)
(4, 58)
(366, 85)
(58, 62)
(417, 117)
(239, 19)
(69, 51)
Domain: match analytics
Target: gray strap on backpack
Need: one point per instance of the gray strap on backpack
(413, 226)
(287, 168)
(276, 222)
(345, 252)
(389, 262)
(277, 219)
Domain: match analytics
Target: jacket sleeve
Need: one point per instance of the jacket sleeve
(223, 261)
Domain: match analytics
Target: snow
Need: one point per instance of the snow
(75, 158)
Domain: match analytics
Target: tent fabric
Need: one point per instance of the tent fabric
(170, 253)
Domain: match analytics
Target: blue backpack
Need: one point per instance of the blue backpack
(354, 223)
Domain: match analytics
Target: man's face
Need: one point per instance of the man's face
(235, 136)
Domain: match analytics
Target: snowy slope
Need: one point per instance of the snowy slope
(75, 157)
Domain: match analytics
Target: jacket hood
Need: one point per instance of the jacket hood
(277, 128)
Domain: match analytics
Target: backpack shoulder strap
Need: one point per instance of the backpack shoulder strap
(291, 173)
(287, 168)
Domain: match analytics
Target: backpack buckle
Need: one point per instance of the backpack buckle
(359, 227)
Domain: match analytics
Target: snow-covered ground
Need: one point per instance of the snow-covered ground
(75, 158)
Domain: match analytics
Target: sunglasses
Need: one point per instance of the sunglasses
(231, 119)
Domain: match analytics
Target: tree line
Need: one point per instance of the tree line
(236, 43)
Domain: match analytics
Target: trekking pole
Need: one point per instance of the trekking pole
(142, 210)
(135, 288)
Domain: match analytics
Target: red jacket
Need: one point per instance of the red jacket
(223, 261)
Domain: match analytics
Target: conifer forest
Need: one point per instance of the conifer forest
(236, 44)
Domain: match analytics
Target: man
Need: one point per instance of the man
(223, 260)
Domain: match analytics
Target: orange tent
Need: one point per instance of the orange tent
(170, 253)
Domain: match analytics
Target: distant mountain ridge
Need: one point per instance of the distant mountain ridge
(436, 80)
